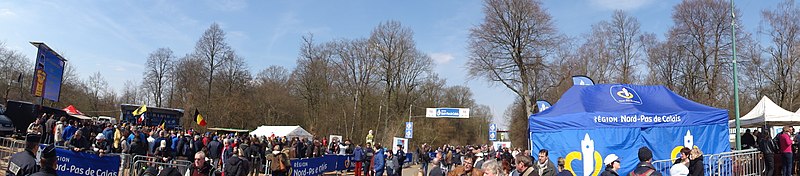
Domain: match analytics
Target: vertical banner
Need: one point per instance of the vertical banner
(401, 141)
(492, 132)
(409, 130)
(580, 80)
(48, 72)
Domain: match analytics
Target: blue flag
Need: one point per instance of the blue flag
(580, 80)
(542, 105)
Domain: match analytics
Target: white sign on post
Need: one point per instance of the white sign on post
(409, 130)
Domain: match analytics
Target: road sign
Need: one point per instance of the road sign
(492, 132)
(409, 130)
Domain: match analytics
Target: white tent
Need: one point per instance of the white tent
(766, 112)
(288, 131)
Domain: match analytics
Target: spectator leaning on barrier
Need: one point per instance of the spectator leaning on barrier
(24, 162)
(78, 142)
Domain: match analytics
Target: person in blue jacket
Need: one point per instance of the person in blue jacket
(379, 159)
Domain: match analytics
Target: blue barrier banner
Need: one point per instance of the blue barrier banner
(317, 166)
(82, 163)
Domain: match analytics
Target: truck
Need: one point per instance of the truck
(154, 116)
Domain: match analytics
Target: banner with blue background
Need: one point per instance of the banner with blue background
(82, 163)
(599, 120)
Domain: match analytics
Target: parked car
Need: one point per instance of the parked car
(6, 126)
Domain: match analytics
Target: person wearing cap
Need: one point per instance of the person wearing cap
(47, 162)
(612, 165)
(644, 167)
(24, 162)
(101, 145)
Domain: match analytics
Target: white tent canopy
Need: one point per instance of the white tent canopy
(288, 131)
(766, 112)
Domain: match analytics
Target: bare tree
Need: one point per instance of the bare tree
(783, 28)
(313, 76)
(212, 49)
(402, 68)
(97, 87)
(157, 74)
(511, 44)
(703, 33)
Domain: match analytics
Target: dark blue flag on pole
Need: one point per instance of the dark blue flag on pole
(581, 80)
(542, 105)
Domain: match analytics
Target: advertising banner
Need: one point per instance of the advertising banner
(48, 73)
(318, 166)
(82, 163)
(447, 112)
(400, 141)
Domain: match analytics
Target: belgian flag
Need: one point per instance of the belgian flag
(198, 118)
(163, 124)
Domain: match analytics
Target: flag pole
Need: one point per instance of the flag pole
(735, 80)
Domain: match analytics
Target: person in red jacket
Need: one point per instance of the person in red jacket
(785, 147)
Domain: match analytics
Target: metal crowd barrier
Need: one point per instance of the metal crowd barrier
(745, 163)
(141, 166)
(733, 163)
(9, 146)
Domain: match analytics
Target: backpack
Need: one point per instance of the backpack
(777, 141)
(646, 173)
(277, 161)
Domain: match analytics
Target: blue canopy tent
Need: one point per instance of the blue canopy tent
(590, 122)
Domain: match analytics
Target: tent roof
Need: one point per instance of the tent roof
(622, 105)
(766, 112)
(229, 130)
(289, 131)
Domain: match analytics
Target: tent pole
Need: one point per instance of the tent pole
(735, 79)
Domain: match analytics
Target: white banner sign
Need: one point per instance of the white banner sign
(447, 112)
(400, 141)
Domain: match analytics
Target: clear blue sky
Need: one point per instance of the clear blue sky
(115, 37)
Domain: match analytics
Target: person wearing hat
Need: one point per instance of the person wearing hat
(101, 145)
(47, 161)
(24, 162)
(612, 165)
(644, 167)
